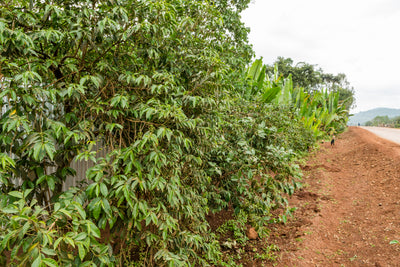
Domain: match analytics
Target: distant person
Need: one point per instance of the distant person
(333, 140)
(359, 125)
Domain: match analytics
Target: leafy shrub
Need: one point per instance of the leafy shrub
(156, 89)
(132, 77)
(35, 236)
(253, 161)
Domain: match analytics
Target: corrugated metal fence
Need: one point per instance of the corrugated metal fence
(79, 166)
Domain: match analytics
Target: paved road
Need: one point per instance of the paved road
(387, 133)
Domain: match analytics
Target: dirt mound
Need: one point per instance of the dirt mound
(349, 209)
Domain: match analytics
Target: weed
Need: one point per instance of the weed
(268, 254)
(237, 227)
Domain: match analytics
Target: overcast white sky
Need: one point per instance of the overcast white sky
(360, 38)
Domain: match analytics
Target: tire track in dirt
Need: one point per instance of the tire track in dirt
(349, 210)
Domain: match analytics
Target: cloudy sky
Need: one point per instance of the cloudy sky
(360, 38)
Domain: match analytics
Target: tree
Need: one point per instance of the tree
(380, 121)
(303, 74)
(339, 83)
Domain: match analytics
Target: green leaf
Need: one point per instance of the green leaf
(81, 251)
(16, 194)
(148, 220)
(57, 206)
(96, 80)
(92, 229)
(50, 262)
(57, 242)
(96, 210)
(10, 210)
(66, 212)
(103, 189)
(40, 180)
(25, 228)
(86, 263)
(154, 218)
(81, 212)
(69, 241)
(50, 182)
(48, 251)
(38, 152)
(50, 150)
(81, 236)
(106, 206)
(90, 188)
(37, 261)
(5, 240)
(6, 161)
(115, 100)
(270, 94)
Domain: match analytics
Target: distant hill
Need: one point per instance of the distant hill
(364, 116)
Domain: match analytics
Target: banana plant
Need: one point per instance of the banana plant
(319, 110)
(255, 78)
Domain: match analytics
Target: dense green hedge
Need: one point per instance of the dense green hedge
(155, 84)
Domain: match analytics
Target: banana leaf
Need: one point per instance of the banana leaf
(271, 94)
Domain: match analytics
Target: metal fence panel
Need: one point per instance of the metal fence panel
(79, 166)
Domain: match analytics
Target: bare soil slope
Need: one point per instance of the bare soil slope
(349, 210)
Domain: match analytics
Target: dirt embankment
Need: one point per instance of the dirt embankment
(349, 210)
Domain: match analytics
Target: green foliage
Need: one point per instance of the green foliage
(152, 95)
(320, 111)
(238, 229)
(312, 78)
(136, 78)
(268, 253)
(384, 121)
(258, 141)
(36, 236)
(303, 74)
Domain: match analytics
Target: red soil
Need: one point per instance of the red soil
(349, 210)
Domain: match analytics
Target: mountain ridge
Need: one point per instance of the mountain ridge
(364, 116)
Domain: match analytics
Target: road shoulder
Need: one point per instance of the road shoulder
(348, 211)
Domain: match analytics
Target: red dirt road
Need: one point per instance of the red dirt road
(349, 210)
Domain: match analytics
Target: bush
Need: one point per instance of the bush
(155, 88)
